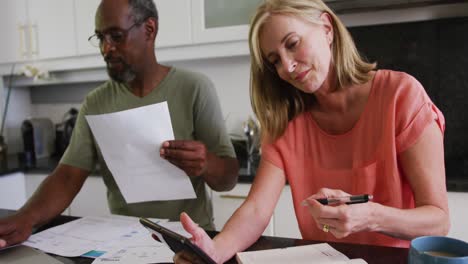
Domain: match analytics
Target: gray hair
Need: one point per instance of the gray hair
(142, 10)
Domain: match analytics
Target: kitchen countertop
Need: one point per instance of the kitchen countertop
(47, 165)
(14, 164)
(11, 165)
(41, 166)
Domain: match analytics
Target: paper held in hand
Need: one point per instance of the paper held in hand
(130, 141)
(317, 253)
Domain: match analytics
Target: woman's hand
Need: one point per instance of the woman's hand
(200, 238)
(340, 220)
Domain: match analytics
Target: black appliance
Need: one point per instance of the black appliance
(38, 138)
(64, 130)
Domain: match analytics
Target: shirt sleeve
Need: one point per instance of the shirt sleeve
(208, 120)
(272, 154)
(414, 112)
(81, 151)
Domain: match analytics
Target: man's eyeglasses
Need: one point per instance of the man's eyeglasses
(113, 36)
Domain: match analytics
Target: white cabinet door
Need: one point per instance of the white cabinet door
(221, 20)
(285, 217)
(174, 23)
(458, 215)
(91, 200)
(32, 182)
(85, 12)
(13, 28)
(52, 28)
(12, 191)
(226, 203)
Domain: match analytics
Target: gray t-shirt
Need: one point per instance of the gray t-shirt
(195, 115)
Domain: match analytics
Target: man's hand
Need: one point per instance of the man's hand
(220, 173)
(190, 156)
(14, 229)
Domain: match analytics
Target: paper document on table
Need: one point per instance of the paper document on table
(140, 255)
(130, 141)
(144, 252)
(317, 253)
(119, 237)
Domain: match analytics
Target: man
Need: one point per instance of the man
(125, 32)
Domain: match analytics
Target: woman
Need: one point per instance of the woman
(333, 126)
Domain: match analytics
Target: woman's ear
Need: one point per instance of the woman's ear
(328, 26)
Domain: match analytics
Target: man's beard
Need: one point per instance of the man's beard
(126, 75)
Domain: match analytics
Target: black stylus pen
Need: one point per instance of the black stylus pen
(346, 199)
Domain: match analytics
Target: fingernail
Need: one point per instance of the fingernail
(304, 203)
(2, 243)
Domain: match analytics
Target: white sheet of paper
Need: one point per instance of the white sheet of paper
(317, 253)
(138, 248)
(137, 255)
(130, 141)
(98, 233)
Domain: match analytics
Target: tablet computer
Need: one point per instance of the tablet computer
(176, 241)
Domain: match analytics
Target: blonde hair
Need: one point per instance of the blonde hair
(276, 102)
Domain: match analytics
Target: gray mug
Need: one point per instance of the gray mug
(437, 250)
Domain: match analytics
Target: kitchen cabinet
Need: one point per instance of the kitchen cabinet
(92, 198)
(13, 21)
(85, 12)
(225, 203)
(12, 191)
(458, 216)
(37, 29)
(285, 217)
(221, 20)
(52, 25)
(174, 24)
(32, 182)
(54, 33)
(283, 222)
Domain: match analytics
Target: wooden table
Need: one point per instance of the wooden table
(371, 254)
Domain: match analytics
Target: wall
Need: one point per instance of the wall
(231, 79)
(435, 53)
(19, 109)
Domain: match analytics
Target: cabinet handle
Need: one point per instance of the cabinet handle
(23, 52)
(36, 39)
(230, 196)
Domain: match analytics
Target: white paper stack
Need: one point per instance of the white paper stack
(316, 253)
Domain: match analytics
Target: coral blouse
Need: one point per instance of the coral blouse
(362, 160)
